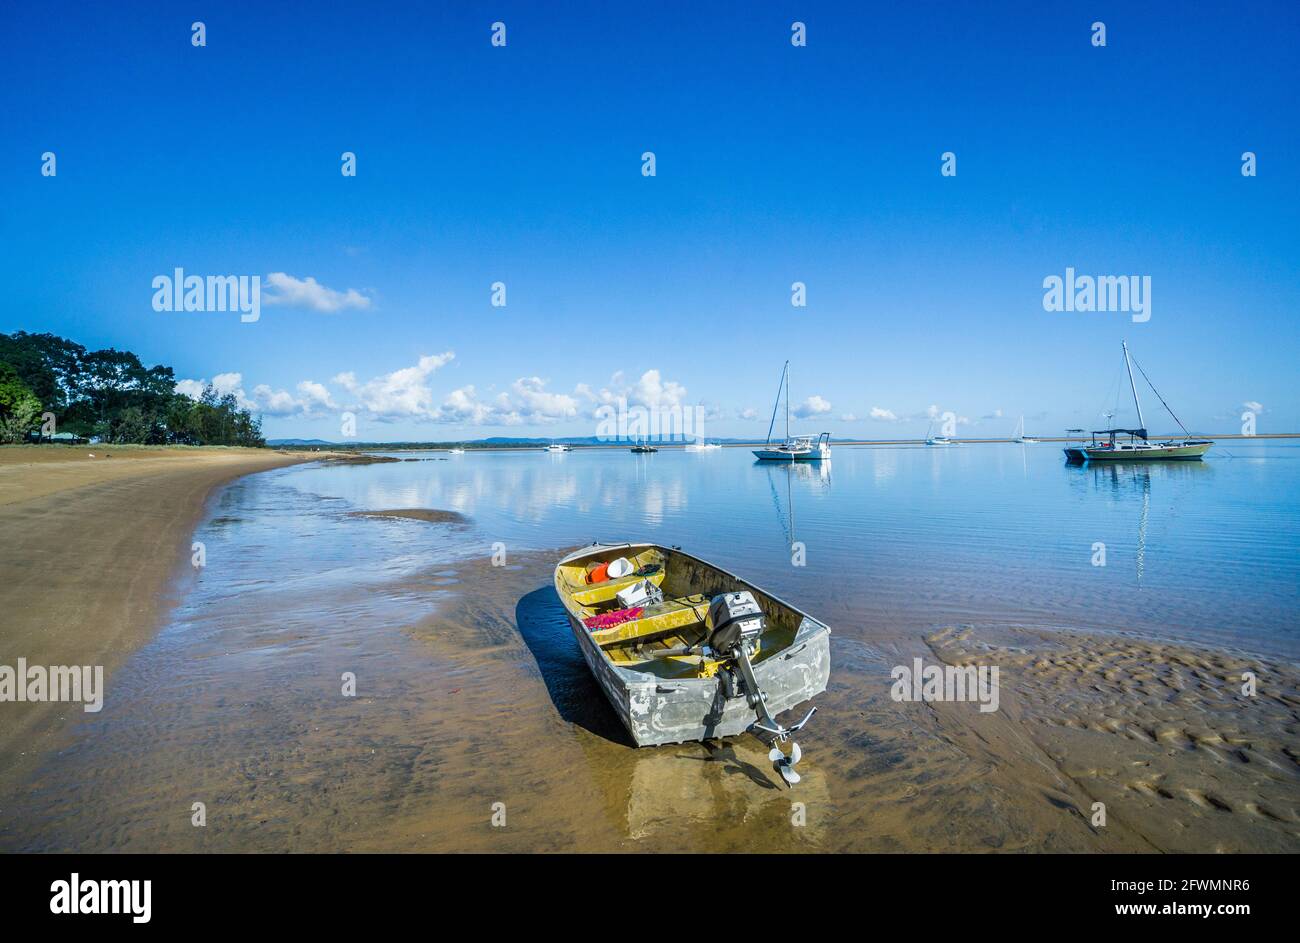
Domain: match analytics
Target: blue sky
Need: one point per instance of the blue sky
(775, 164)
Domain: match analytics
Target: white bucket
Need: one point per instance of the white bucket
(620, 568)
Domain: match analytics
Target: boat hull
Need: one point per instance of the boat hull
(1171, 453)
(776, 455)
(657, 710)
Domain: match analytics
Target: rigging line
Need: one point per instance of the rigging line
(1161, 398)
(1106, 400)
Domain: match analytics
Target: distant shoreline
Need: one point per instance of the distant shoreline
(750, 444)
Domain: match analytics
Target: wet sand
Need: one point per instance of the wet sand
(485, 699)
(88, 550)
(471, 693)
(1164, 735)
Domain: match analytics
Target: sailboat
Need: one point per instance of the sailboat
(1020, 434)
(936, 439)
(799, 448)
(641, 445)
(1138, 447)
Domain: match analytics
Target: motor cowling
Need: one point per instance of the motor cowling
(734, 620)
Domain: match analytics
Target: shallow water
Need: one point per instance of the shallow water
(470, 690)
(912, 536)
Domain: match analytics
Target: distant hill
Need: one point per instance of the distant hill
(498, 442)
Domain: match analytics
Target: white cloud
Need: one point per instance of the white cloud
(225, 383)
(748, 414)
(884, 414)
(650, 391)
(848, 417)
(527, 402)
(274, 402)
(309, 293)
(191, 388)
(315, 394)
(812, 406)
(312, 399)
(408, 393)
(530, 394)
(402, 394)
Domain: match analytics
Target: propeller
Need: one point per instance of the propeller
(785, 764)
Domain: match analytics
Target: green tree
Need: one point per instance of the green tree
(111, 394)
(19, 406)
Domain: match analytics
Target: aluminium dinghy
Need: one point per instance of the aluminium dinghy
(685, 650)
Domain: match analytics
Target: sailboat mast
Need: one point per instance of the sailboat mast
(777, 405)
(787, 401)
(1133, 386)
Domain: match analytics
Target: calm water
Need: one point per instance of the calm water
(470, 688)
(907, 537)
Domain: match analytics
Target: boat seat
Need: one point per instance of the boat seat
(604, 592)
(672, 615)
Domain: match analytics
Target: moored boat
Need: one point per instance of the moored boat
(1106, 445)
(685, 650)
(936, 439)
(1020, 434)
(799, 448)
(1111, 448)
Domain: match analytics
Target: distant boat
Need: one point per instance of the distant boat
(1137, 448)
(799, 448)
(936, 439)
(1020, 434)
(457, 451)
(702, 446)
(559, 447)
(643, 447)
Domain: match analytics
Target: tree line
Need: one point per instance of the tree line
(111, 395)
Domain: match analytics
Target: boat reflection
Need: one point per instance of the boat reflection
(782, 476)
(1132, 483)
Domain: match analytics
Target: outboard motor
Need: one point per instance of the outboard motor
(735, 623)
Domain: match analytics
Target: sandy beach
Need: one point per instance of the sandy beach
(92, 540)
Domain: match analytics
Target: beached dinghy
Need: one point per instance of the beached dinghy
(685, 650)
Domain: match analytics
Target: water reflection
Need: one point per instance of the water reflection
(1130, 483)
(936, 533)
